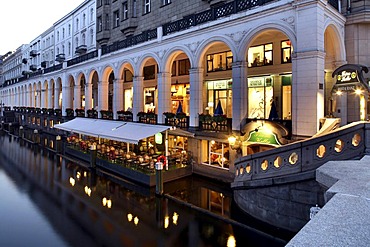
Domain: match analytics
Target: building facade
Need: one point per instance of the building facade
(225, 63)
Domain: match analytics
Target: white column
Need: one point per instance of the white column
(117, 97)
(43, 95)
(239, 93)
(164, 95)
(56, 96)
(66, 99)
(50, 97)
(138, 100)
(88, 96)
(196, 95)
(77, 96)
(103, 96)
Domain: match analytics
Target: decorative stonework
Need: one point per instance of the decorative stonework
(237, 37)
(193, 46)
(289, 20)
(160, 53)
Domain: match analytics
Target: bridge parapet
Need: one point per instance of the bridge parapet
(299, 160)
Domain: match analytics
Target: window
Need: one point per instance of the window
(218, 154)
(260, 55)
(91, 36)
(184, 66)
(146, 6)
(260, 96)
(106, 2)
(83, 39)
(173, 70)
(63, 49)
(134, 8)
(84, 20)
(165, 2)
(63, 33)
(58, 36)
(69, 48)
(99, 3)
(91, 15)
(100, 24)
(286, 51)
(149, 72)
(286, 82)
(124, 11)
(76, 41)
(116, 18)
(106, 22)
(128, 76)
(219, 61)
(69, 29)
(77, 24)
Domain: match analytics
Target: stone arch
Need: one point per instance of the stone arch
(142, 61)
(206, 44)
(172, 53)
(127, 63)
(279, 26)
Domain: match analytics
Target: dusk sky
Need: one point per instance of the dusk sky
(23, 20)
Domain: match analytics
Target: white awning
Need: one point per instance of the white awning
(115, 130)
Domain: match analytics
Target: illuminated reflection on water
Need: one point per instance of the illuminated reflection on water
(47, 199)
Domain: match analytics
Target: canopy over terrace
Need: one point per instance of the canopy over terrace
(115, 130)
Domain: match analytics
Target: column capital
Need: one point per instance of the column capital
(196, 70)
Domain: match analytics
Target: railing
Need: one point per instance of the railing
(215, 123)
(267, 168)
(125, 116)
(53, 68)
(82, 58)
(178, 122)
(130, 41)
(211, 15)
(148, 118)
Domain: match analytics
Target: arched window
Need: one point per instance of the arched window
(63, 33)
(76, 41)
(69, 29)
(83, 39)
(91, 15)
(91, 36)
(77, 23)
(69, 48)
(84, 20)
(63, 49)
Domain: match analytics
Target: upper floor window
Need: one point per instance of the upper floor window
(63, 33)
(83, 39)
(99, 3)
(124, 10)
(106, 22)
(77, 24)
(76, 41)
(100, 24)
(106, 2)
(260, 55)
(91, 15)
(286, 51)
(84, 20)
(69, 29)
(146, 6)
(184, 66)
(219, 61)
(116, 18)
(149, 72)
(134, 8)
(58, 36)
(165, 2)
(127, 75)
(91, 36)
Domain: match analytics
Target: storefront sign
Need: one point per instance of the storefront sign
(158, 138)
(260, 82)
(347, 77)
(219, 84)
(263, 137)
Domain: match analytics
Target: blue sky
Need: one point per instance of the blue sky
(23, 20)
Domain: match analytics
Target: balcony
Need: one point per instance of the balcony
(60, 58)
(81, 49)
(44, 64)
(33, 67)
(102, 37)
(128, 26)
(33, 53)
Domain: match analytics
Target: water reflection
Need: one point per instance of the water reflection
(93, 208)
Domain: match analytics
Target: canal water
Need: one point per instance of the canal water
(49, 200)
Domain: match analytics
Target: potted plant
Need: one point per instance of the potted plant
(169, 114)
(69, 112)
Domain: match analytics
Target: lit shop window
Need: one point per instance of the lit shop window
(286, 51)
(286, 81)
(260, 96)
(260, 55)
(219, 61)
(218, 154)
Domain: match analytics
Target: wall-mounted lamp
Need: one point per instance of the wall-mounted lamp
(234, 142)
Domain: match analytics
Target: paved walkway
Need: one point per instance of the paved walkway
(345, 218)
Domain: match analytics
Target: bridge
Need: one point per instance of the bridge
(278, 186)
